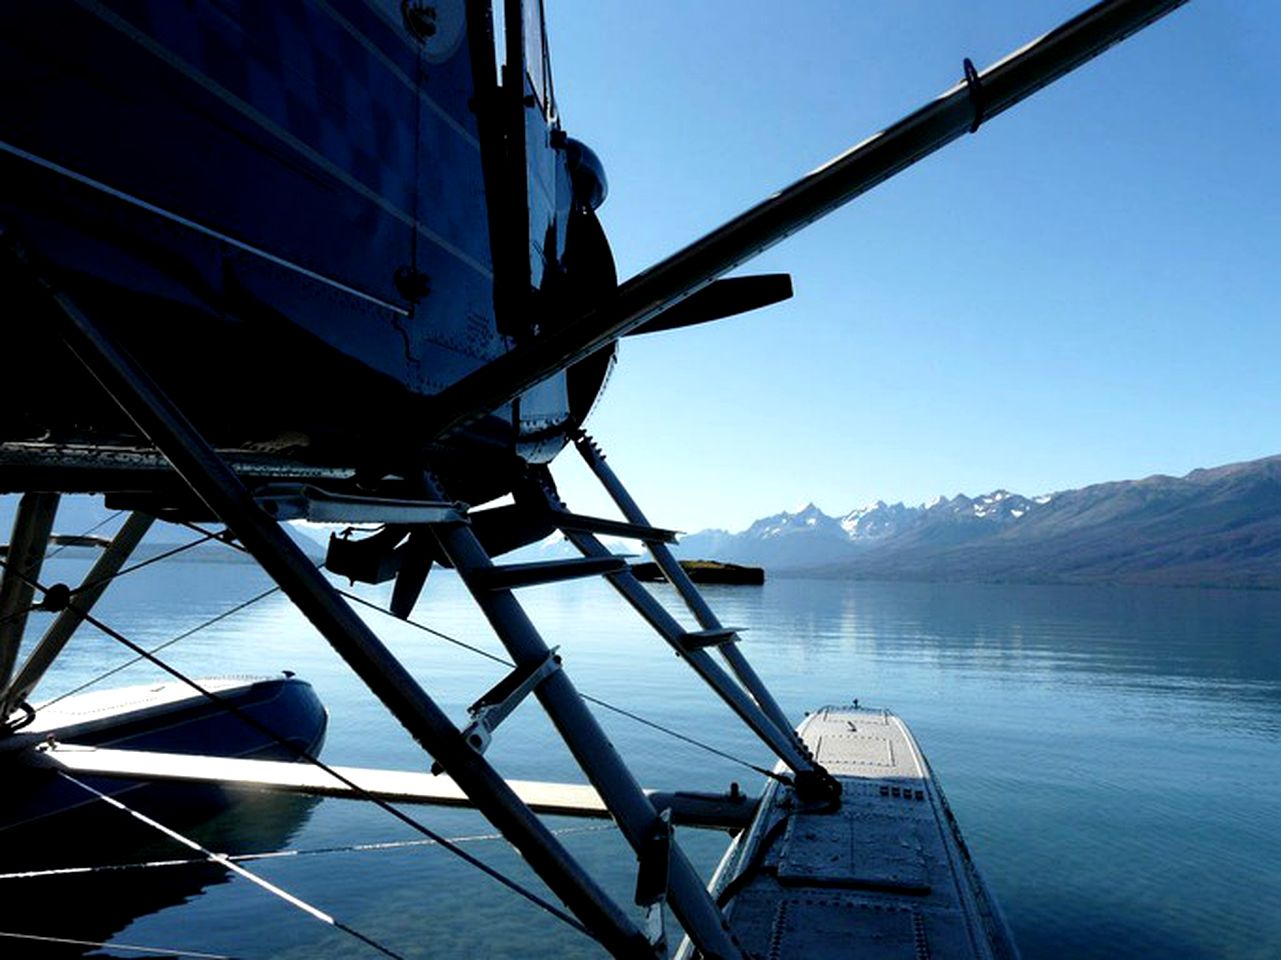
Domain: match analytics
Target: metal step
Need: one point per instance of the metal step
(700, 639)
(576, 523)
(513, 575)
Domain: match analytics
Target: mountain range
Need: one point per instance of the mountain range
(1213, 527)
(1218, 527)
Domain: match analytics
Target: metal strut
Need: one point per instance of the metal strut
(86, 595)
(750, 698)
(634, 812)
(31, 528)
(840, 180)
(217, 485)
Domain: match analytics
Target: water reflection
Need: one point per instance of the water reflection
(1111, 754)
(1219, 643)
(97, 872)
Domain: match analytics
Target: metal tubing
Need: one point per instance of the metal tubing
(632, 809)
(215, 483)
(679, 579)
(784, 746)
(31, 527)
(95, 583)
(832, 185)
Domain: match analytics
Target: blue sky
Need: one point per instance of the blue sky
(1086, 290)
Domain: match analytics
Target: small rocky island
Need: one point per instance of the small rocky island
(705, 571)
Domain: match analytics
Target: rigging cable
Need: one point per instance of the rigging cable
(303, 755)
(140, 654)
(168, 952)
(63, 594)
(372, 847)
(235, 868)
(346, 781)
(88, 533)
(53, 553)
(654, 725)
(168, 643)
(590, 699)
(165, 555)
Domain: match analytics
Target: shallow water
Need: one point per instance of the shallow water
(1111, 754)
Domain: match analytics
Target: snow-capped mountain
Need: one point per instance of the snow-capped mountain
(1218, 526)
(810, 536)
(879, 520)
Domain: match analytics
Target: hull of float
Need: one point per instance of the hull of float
(887, 876)
(44, 817)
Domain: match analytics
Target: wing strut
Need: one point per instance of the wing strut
(832, 185)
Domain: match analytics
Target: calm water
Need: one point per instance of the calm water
(1112, 755)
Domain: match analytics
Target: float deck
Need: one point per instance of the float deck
(887, 876)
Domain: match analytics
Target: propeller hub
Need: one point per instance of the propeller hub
(586, 174)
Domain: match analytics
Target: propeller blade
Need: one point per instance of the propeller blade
(979, 97)
(722, 298)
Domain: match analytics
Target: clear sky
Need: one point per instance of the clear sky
(1085, 290)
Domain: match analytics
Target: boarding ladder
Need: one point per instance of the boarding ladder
(665, 874)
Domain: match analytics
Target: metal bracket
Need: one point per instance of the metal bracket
(977, 95)
(701, 639)
(505, 696)
(303, 501)
(651, 878)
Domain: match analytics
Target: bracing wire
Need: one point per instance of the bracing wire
(169, 952)
(142, 654)
(88, 533)
(103, 581)
(379, 846)
(235, 868)
(479, 651)
(244, 604)
(305, 756)
(653, 725)
(53, 553)
(164, 555)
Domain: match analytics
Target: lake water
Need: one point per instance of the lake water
(1112, 756)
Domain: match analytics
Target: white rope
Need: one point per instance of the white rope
(161, 951)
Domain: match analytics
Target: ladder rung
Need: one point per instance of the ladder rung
(512, 575)
(698, 639)
(576, 523)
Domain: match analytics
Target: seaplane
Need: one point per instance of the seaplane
(340, 261)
